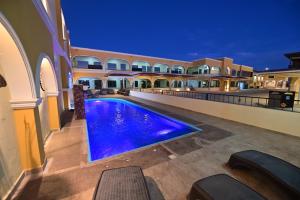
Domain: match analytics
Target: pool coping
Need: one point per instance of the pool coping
(90, 162)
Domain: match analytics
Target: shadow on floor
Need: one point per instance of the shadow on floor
(52, 187)
(154, 190)
(66, 117)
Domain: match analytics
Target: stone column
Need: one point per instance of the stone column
(29, 134)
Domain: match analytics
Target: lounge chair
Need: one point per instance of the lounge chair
(222, 187)
(280, 171)
(127, 183)
(124, 92)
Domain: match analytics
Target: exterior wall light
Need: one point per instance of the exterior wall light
(2, 81)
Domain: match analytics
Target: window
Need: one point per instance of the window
(204, 84)
(215, 83)
(149, 69)
(123, 67)
(111, 66)
(136, 84)
(232, 83)
(84, 82)
(233, 72)
(246, 74)
(177, 84)
(215, 70)
(98, 84)
(111, 84)
(176, 71)
(144, 68)
(135, 68)
(156, 69)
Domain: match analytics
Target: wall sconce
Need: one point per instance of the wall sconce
(2, 81)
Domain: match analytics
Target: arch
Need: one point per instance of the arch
(117, 64)
(203, 69)
(142, 83)
(46, 76)
(15, 65)
(161, 83)
(87, 62)
(161, 68)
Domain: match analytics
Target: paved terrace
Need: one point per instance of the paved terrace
(69, 176)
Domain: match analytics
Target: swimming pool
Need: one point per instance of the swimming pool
(115, 126)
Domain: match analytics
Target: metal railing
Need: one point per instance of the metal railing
(253, 101)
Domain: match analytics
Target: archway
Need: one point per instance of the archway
(48, 92)
(177, 84)
(142, 83)
(161, 83)
(204, 69)
(17, 100)
(161, 68)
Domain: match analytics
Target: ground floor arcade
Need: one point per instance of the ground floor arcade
(96, 81)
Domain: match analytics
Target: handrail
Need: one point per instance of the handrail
(253, 101)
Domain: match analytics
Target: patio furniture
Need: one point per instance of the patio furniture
(110, 91)
(127, 183)
(280, 171)
(222, 187)
(124, 92)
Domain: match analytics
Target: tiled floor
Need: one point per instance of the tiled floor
(68, 175)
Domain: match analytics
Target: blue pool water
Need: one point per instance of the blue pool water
(116, 126)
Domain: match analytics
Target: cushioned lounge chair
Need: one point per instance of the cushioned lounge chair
(282, 172)
(222, 187)
(127, 183)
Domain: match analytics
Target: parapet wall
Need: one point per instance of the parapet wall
(276, 120)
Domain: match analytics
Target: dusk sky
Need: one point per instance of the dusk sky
(252, 32)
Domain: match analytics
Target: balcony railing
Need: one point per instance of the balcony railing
(264, 102)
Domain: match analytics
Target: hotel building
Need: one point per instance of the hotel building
(281, 79)
(106, 69)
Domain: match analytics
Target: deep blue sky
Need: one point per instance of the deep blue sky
(252, 32)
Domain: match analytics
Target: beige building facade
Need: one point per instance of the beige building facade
(121, 70)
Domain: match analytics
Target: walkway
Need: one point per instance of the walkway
(174, 166)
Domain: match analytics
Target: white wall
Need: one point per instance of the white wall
(276, 120)
(43, 113)
(10, 166)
